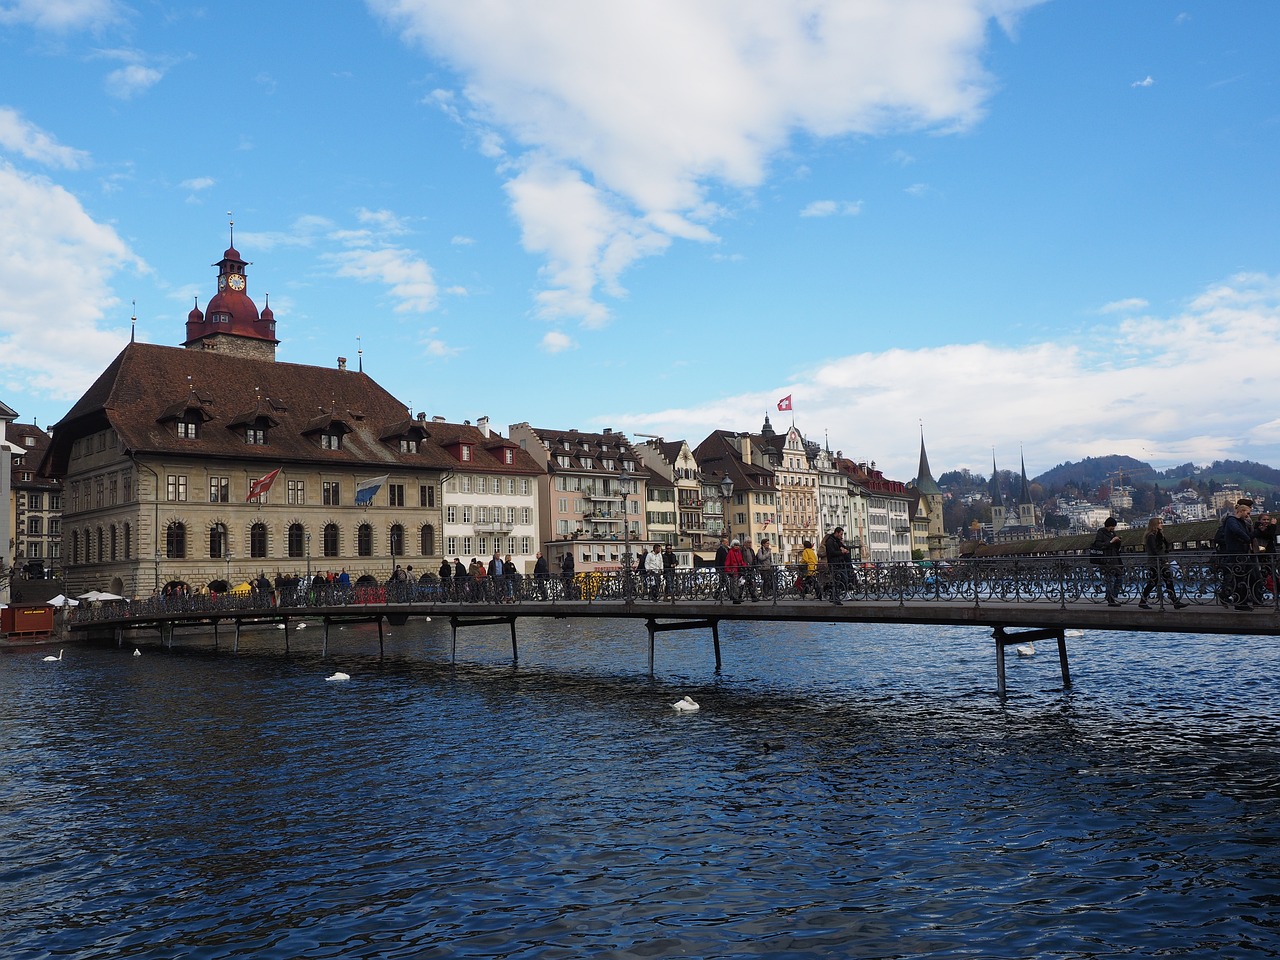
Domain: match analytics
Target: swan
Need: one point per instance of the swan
(1026, 649)
(53, 659)
(137, 652)
(687, 704)
(1073, 633)
(279, 626)
(339, 676)
(301, 626)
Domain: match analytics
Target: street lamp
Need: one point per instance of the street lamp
(726, 489)
(308, 561)
(227, 556)
(624, 478)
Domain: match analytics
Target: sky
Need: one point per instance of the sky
(1040, 229)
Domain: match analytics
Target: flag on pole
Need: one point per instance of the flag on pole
(785, 403)
(366, 489)
(262, 484)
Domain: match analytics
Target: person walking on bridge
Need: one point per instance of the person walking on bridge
(1106, 550)
(1157, 547)
(1235, 538)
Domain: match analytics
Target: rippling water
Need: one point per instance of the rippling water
(844, 791)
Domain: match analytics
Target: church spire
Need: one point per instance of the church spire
(924, 478)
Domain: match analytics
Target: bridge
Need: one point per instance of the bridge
(1020, 600)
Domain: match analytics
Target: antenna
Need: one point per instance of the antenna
(133, 323)
(359, 357)
(232, 224)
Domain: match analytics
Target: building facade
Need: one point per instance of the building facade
(37, 502)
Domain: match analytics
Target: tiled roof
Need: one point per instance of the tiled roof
(486, 452)
(142, 388)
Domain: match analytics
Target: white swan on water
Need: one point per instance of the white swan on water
(1073, 633)
(339, 676)
(687, 704)
(53, 659)
(1026, 649)
(137, 652)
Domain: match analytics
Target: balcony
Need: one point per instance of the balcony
(500, 526)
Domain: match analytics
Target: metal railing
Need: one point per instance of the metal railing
(1187, 579)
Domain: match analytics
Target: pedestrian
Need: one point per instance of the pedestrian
(669, 563)
(495, 579)
(750, 559)
(461, 580)
(1105, 552)
(653, 570)
(1157, 547)
(722, 578)
(735, 568)
(566, 574)
(808, 570)
(838, 563)
(540, 575)
(446, 580)
(764, 563)
(1235, 544)
(1264, 538)
(512, 576)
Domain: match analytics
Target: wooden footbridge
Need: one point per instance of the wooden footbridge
(1020, 602)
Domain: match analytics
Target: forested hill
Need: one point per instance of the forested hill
(1091, 472)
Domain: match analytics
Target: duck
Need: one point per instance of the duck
(686, 704)
(53, 659)
(339, 676)
(1026, 649)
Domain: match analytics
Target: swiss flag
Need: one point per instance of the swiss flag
(785, 403)
(261, 486)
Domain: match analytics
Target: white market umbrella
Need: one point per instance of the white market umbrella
(61, 601)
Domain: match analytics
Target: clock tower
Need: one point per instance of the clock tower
(231, 322)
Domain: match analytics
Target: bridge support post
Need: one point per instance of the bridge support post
(236, 648)
(654, 627)
(1004, 639)
(215, 633)
(456, 622)
(381, 648)
(324, 644)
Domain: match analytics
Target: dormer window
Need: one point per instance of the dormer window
(255, 436)
(331, 440)
(188, 428)
(409, 446)
(28, 441)
(464, 453)
(588, 463)
(219, 318)
(508, 455)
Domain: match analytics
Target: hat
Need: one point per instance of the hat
(1110, 522)
(1244, 502)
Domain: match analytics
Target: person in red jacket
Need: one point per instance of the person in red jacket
(735, 568)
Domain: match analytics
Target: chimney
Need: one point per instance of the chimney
(342, 363)
(744, 447)
(482, 425)
(437, 419)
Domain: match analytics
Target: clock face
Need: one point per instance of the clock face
(222, 283)
(235, 282)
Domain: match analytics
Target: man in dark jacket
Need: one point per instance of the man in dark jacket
(540, 575)
(1235, 543)
(1106, 545)
(838, 563)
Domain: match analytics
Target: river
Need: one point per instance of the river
(844, 791)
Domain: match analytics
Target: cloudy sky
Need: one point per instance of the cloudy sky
(1042, 228)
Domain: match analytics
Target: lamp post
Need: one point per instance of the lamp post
(624, 478)
(308, 561)
(726, 490)
(227, 556)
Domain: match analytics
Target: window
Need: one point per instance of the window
(524, 487)
(364, 540)
(426, 495)
(508, 455)
(175, 541)
(451, 546)
(397, 540)
(258, 541)
(219, 489)
(128, 488)
(482, 514)
(395, 494)
(466, 484)
(35, 501)
(297, 491)
(28, 441)
(428, 536)
(408, 446)
(297, 538)
(35, 526)
(466, 514)
(329, 540)
(466, 545)
(331, 441)
(450, 514)
(177, 487)
(188, 429)
(217, 541)
(255, 436)
(465, 453)
(480, 484)
(75, 546)
(330, 493)
(263, 497)
(128, 542)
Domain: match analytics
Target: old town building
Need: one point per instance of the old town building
(37, 505)
(212, 465)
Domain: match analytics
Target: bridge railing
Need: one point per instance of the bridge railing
(1188, 578)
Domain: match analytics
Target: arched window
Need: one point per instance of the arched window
(176, 541)
(397, 540)
(258, 541)
(113, 541)
(128, 542)
(364, 540)
(428, 539)
(329, 539)
(99, 552)
(88, 546)
(217, 541)
(75, 546)
(297, 540)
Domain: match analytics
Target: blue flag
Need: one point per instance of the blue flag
(366, 489)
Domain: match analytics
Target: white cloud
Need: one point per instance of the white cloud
(61, 16)
(56, 262)
(615, 121)
(409, 278)
(1128, 305)
(198, 183)
(555, 341)
(831, 208)
(1146, 82)
(26, 139)
(1132, 388)
(128, 81)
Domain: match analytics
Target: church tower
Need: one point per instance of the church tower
(931, 494)
(1026, 509)
(231, 323)
(997, 504)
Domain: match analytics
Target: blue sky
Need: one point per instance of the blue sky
(1037, 227)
